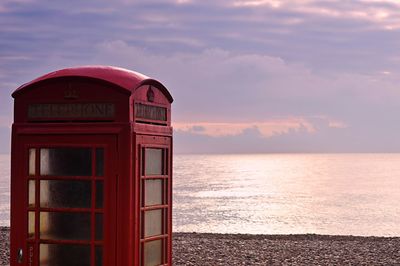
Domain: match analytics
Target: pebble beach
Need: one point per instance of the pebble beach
(226, 249)
(240, 249)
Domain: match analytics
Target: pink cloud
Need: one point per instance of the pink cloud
(381, 12)
(337, 124)
(266, 128)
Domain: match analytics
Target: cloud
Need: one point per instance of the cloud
(256, 3)
(337, 124)
(276, 71)
(383, 13)
(217, 85)
(267, 128)
(5, 121)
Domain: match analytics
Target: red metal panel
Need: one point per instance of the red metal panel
(124, 190)
(18, 200)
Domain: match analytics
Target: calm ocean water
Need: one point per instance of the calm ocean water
(357, 194)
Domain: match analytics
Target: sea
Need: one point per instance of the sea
(335, 194)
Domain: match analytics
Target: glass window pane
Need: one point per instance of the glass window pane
(152, 253)
(32, 161)
(99, 256)
(99, 162)
(66, 161)
(65, 193)
(153, 192)
(64, 255)
(65, 226)
(153, 160)
(31, 193)
(31, 224)
(153, 223)
(99, 226)
(99, 194)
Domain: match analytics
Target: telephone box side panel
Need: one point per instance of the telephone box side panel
(18, 201)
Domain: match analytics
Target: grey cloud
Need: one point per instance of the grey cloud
(324, 140)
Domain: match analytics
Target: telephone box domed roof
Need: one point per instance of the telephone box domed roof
(124, 78)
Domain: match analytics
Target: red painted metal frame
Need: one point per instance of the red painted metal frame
(165, 144)
(27, 142)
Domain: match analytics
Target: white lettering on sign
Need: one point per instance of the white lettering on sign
(71, 110)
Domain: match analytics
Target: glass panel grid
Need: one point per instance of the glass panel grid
(64, 255)
(152, 253)
(99, 227)
(53, 194)
(153, 223)
(99, 162)
(99, 194)
(31, 193)
(99, 256)
(31, 224)
(66, 161)
(65, 193)
(65, 226)
(153, 161)
(32, 162)
(153, 192)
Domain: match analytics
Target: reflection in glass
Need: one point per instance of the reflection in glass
(152, 253)
(153, 160)
(65, 193)
(99, 226)
(31, 224)
(31, 193)
(99, 255)
(153, 192)
(153, 223)
(65, 226)
(66, 161)
(99, 194)
(99, 162)
(64, 255)
(32, 161)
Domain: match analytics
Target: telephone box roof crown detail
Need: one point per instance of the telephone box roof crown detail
(126, 79)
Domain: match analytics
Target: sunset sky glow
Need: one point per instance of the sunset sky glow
(247, 76)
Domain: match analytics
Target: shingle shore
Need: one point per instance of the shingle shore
(231, 249)
(4, 245)
(226, 249)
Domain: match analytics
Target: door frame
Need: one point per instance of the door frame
(19, 191)
(165, 144)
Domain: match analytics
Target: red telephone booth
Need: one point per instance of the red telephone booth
(91, 170)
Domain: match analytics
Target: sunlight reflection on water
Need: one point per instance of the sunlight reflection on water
(355, 194)
(4, 190)
(344, 194)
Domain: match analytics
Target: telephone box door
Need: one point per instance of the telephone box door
(68, 187)
(154, 170)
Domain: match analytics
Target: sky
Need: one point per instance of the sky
(247, 76)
